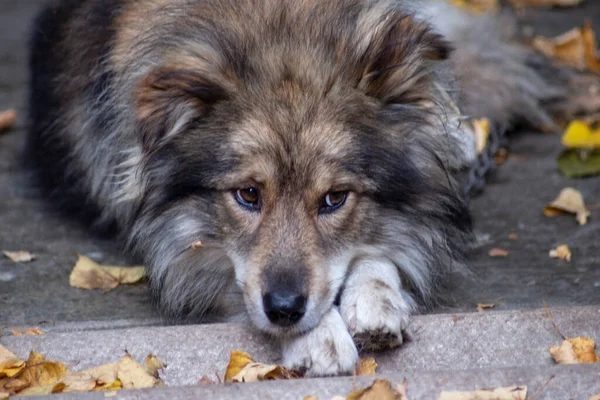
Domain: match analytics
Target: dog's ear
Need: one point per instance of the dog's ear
(397, 63)
(167, 99)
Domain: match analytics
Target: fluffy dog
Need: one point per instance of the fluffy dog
(311, 147)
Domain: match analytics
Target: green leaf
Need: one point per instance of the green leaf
(579, 163)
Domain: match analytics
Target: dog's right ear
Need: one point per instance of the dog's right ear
(167, 99)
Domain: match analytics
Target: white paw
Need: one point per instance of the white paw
(325, 351)
(376, 313)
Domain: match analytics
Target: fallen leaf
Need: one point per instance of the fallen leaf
(569, 200)
(10, 364)
(481, 128)
(367, 366)
(38, 376)
(576, 48)
(501, 156)
(579, 163)
(513, 236)
(505, 393)
(242, 368)
(154, 365)
(89, 275)
(477, 6)
(3, 395)
(485, 306)
(579, 134)
(205, 380)
(596, 397)
(7, 119)
(381, 389)
(103, 377)
(110, 394)
(311, 398)
(563, 252)
(27, 332)
(579, 350)
(544, 3)
(237, 361)
(495, 252)
(20, 256)
(134, 376)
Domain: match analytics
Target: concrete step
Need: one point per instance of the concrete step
(556, 382)
(444, 342)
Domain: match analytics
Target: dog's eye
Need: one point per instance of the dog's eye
(248, 198)
(332, 201)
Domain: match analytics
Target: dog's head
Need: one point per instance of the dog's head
(308, 142)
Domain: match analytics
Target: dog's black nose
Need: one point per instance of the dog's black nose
(284, 308)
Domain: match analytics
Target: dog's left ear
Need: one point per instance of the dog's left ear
(398, 62)
(168, 98)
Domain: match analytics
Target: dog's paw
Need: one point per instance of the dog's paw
(376, 314)
(327, 350)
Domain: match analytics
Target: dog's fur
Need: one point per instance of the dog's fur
(147, 116)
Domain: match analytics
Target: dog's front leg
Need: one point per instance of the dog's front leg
(374, 305)
(326, 350)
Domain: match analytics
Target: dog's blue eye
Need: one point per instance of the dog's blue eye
(332, 201)
(248, 198)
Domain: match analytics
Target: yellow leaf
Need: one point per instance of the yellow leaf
(579, 350)
(10, 364)
(505, 393)
(484, 306)
(563, 252)
(481, 127)
(37, 390)
(89, 275)
(153, 365)
(477, 6)
(580, 135)
(367, 366)
(37, 376)
(237, 361)
(134, 376)
(381, 389)
(20, 256)
(569, 200)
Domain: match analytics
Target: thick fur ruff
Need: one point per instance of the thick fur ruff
(147, 116)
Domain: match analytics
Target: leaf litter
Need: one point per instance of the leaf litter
(562, 252)
(40, 376)
(19, 256)
(87, 274)
(569, 201)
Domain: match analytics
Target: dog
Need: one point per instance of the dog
(291, 163)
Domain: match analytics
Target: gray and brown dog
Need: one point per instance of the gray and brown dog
(310, 146)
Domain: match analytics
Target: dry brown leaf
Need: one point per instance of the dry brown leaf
(579, 350)
(485, 306)
(205, 380)
(311, 398)
(134, 376)
(3, 395)
(576, 48)
(505, 393)
(10, 364)
(366, 366)
(20, 256)
(513, 236)
(7, 119)
(477, 6)
(563, 252)
(103, 377)
(237, 361)
(570, 201)
(596, 397)
(87, 274)
(37, 377)
(381, 389)
(154, 365)
(495, 252)
(544, 3)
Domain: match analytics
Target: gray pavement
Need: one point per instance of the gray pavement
(446, 351)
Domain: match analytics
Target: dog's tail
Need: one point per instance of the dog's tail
(501, 79)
